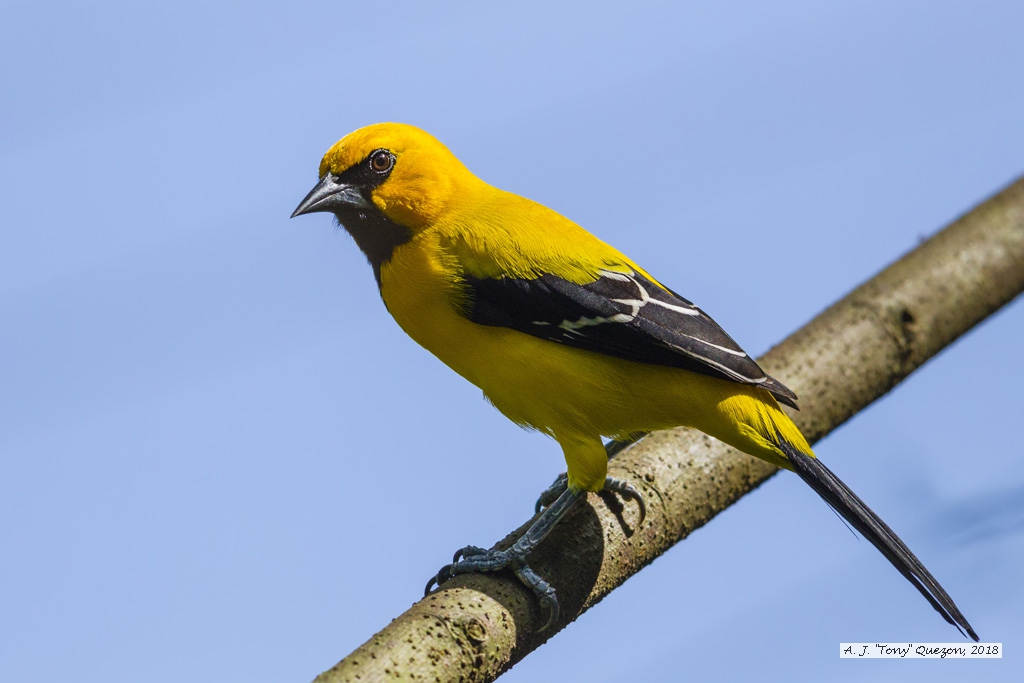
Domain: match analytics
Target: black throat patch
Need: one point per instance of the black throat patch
(375, 234)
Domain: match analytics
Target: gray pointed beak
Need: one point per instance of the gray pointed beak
(331, 195)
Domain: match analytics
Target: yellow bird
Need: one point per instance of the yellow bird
(563, 333)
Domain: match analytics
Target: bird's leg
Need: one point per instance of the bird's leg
(616, 446)
(557, 501)
(612, 448)
(475, 559)
(551, 493)
(619, 486)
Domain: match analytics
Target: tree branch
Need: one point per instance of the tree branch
(478, 626)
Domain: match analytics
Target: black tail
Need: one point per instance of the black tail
(846, 503)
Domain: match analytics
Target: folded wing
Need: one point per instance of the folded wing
(620, 314)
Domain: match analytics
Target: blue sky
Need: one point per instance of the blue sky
(222, 460)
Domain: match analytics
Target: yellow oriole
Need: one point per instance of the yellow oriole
(563, 333)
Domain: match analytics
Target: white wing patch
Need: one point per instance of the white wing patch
(645, 297)
(574, 326)
(723, 349)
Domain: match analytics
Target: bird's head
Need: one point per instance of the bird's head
(396, 171)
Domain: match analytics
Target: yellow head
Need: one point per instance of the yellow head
(401, 171)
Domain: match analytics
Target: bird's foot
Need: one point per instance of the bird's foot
(612, 448)
(626, 491)
(556, 501)
(551, 493)
(619, 486)
(475, 559)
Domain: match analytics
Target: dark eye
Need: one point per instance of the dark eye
(381, 161)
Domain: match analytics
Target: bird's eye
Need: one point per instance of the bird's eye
(381, 161)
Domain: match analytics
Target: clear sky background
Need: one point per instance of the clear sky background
(223, 461)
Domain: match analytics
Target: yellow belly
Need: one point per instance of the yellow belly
(572, 395)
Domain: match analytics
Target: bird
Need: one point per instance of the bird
(564, 335)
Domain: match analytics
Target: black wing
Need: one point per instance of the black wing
(620, 314)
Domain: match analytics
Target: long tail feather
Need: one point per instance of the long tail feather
(846, 503)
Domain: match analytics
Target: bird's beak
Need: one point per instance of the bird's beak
(331, 195)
